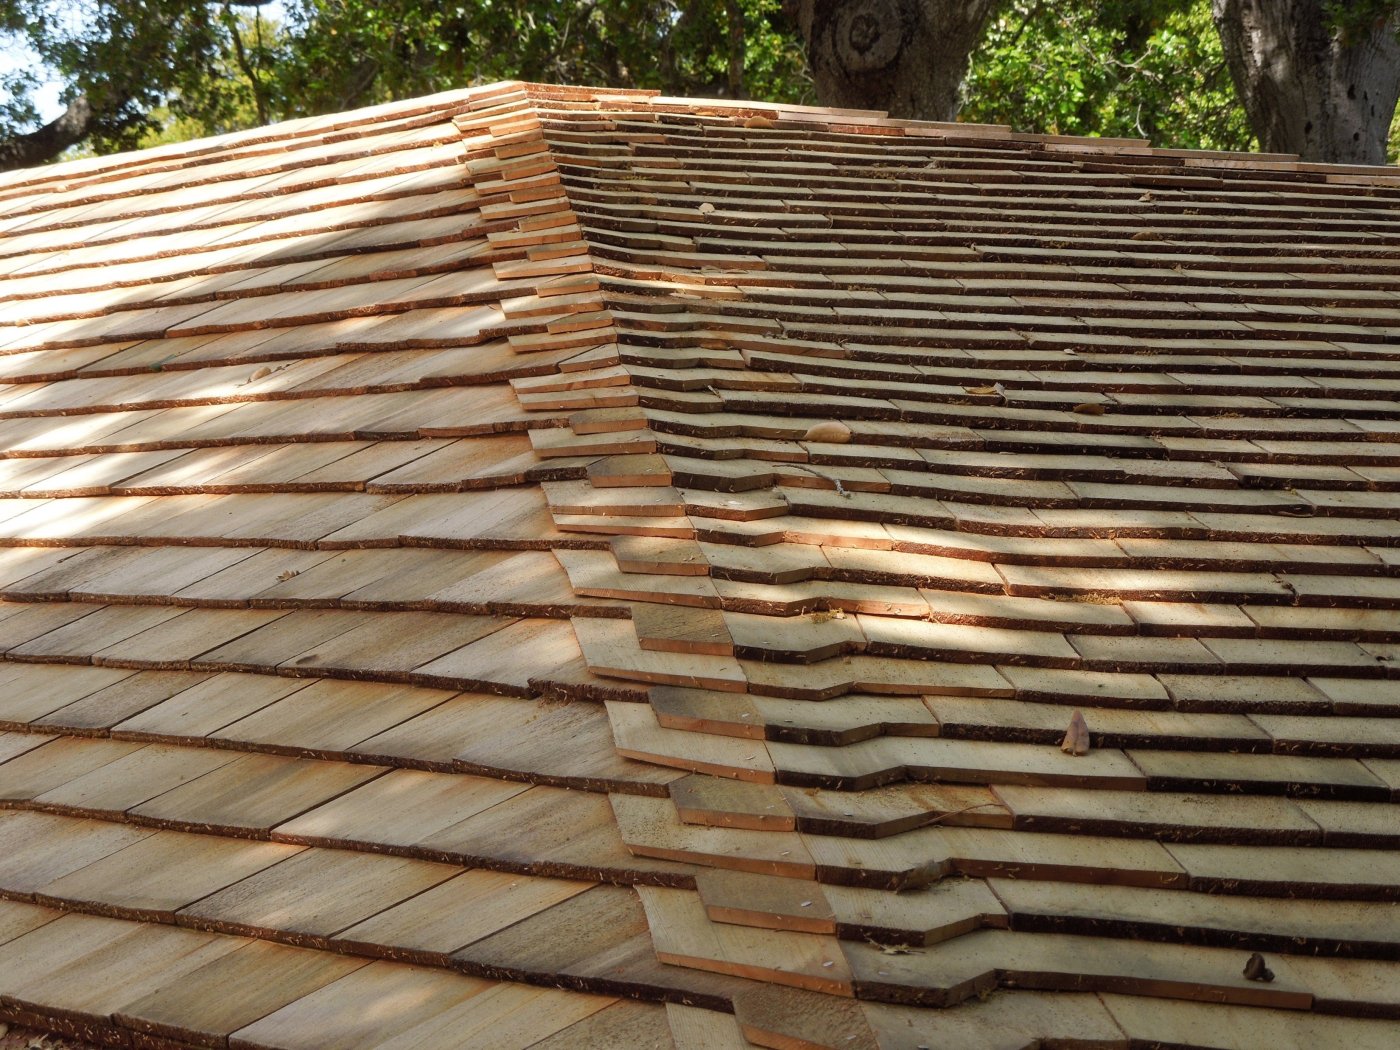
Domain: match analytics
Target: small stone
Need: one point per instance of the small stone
(1256, 969)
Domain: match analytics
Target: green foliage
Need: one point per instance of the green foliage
(154, 70)
(1136, 68)
(1355, 19)
(341, 53)
(161, 70)
(134, 60)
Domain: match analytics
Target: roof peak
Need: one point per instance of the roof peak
(275, 137)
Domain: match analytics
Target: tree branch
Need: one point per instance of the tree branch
(734, 14)
(36, 147)
(241, 56)
(670, 73)
(358, 83)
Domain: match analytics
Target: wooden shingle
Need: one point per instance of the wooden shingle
(546, 567)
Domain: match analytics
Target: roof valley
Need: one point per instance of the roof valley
(655, 535)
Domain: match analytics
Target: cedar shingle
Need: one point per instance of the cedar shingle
(732, 501)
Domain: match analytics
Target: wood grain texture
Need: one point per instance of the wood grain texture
(469, 560)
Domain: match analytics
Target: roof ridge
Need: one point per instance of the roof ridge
(852, 119)
(63, 175)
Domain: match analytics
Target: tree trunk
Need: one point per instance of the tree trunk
(67, 129)
(1310, 85)
(905, 56)
(738, 46)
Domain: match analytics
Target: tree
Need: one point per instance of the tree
(120, 60)
(138, 70)
(905, 56)
(1319, 78)
(344, 53)
(1140, 68)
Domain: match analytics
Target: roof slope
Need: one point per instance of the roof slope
(551, 568)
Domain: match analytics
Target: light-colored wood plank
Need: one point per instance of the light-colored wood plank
(505, 1016)
(957, 970)
(622, 1026)
(696, 1029)
(363, 1009)
(121, 700)
(466, 908)
(685, 936)
(156, 876)
(30, 691)
(316, 893)
(400, 808)
(639, 735)
(651, 827)
(1218, 918)
(1004, 1020)
(115, 969)
(330, 716)
(1162, 814)
(928, 854)
(1243, 1027)
(202, 1007)
(207, 705)
(42, 847)
(255, 792)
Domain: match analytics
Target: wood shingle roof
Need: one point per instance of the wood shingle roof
(551, 568)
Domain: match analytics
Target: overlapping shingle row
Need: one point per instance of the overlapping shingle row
(478, 570)
(274, 552)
